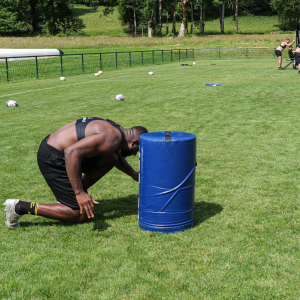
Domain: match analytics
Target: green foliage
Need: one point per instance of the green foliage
(15, 17)
(288, 13)
(256, 7)
(31, 17)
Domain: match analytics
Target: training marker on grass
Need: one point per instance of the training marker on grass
(213, 84)
(167, 181)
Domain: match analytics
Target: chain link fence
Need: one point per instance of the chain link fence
(18, 68)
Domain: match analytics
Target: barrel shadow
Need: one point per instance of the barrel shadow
(205, 210)
(114, 208)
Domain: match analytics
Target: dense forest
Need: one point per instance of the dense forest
(53, 17)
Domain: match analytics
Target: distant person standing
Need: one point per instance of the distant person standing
(279, 50)
(297, 58)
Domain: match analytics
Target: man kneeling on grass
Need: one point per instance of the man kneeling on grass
(92, 146)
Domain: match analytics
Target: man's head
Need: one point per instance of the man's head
(287, 40)
(291, 47)
(132, 136)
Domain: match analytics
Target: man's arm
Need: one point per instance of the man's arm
(88, 147)
(289, 45)
(126, 168)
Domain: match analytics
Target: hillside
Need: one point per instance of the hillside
(111, 25)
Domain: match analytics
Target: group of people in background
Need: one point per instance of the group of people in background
(292, 54)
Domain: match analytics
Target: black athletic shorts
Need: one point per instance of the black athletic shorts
(297, 58)
(278, 53)
(51, 162)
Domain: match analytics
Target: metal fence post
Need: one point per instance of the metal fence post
(61, 65)
(246, 52)
(142, 58)
(130, 59)
(179, 54)
(162, 55)
(7, 76)
(186, 53)
(100, 62)
(219, 52)
(116, 60)
(193, 53)
(171, 55)
(153, 57)
(82, 63)
(36, 68)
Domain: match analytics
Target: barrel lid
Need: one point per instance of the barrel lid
(161, 136)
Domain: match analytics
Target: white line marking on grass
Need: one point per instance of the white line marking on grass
(62, 86)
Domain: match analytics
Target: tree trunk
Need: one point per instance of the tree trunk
(236, 16)
(201, 20)
(184, 18)
(167, 21)
(131, 27)
(174, 16)
(222, 13)
(160, 8)
(154, 21)
(192, 18)
(150, 23)
(134, 21)
(33, 16)
(52, 29)
(187, 23)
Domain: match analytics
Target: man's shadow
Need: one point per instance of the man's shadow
(110, 209)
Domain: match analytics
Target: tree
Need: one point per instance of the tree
(17, 18)
(202, 16)
(288, 13)
(236, 16)
(174, 16)
(184, 19)
(160, 12)
(31, 17)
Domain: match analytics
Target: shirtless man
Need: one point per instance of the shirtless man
(279, 50)
(92, 146)
(297, 58)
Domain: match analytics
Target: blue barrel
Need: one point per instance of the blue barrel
(167, 181)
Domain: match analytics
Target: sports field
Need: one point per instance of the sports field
(245, 242)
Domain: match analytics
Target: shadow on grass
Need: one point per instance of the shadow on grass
(114, 208)
(205, 210)
(80, 11)
(106, 210)
(119, 207)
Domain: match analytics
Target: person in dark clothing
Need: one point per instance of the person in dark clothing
(297, 58)
(291, 54)
(92, 146)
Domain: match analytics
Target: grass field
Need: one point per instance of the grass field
(245, 242)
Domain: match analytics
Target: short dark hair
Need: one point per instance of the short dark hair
(138, 130)
(287, 39)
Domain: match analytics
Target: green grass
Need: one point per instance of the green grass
(245, 243)
(95, 25)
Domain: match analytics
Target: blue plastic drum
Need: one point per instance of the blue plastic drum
(167, 181)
